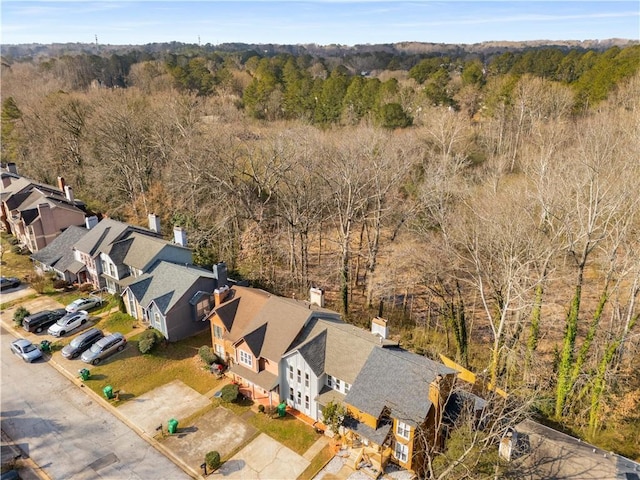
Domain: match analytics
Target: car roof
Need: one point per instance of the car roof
(22, 342)
(108, 338)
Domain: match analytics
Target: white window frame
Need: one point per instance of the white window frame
(217, 331)
(245, 358)
(329, 381)
(337, 387)
(290, 372)
(219, 349)
(401, 452)
(298, 397)
(403, 430)
(299, 376)
(291, 394)
(306, 379)
(306, 402)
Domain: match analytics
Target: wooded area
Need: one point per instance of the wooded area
(487, 205)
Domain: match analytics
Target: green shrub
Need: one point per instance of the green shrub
(121, 306)
(19, 315)
(212, 459)
(148, 340)
(207, 355)
(17, 249)
(261, 408)
(40, 283)
(230, 393)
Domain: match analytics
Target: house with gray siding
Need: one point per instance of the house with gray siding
(174, 299)
(58, 257)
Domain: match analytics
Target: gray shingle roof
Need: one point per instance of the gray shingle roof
(396, 379)
(239, 309)
(314, 351)
(346, 347)
(165, 284)
(108, 231)
(59, 253)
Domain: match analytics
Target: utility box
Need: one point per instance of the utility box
(85, 374)
(172, 426)
(282, 409)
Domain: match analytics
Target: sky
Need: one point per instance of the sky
(321, 22)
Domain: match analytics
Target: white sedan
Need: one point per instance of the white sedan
(69, 322)
(84, 303)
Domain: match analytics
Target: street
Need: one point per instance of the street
(66, 432)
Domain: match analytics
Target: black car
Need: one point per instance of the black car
(9, 282)
(81, 343)
(40, 321)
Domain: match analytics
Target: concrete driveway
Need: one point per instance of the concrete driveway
(264, 458)
(172, 400)
(219, 429)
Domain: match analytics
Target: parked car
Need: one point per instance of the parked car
(104, 347)
(69, 322)
(81, 343)
(9, 282)
(37, 322)
(25, 349)
(84, 303)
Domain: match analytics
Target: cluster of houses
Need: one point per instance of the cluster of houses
(279, 350)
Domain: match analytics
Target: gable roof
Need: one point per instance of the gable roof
(143, 249)
(398, 380)
(59, 253)
(166, 283)
(101, 237)
(239, 311)
(345, 347)
(284, 319)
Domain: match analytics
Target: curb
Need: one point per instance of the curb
(113, 410)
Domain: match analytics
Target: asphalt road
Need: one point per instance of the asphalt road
(67, 433)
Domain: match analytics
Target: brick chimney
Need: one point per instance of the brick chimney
(61, 184)
(220, 295)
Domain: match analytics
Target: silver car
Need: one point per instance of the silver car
(104, 347)
(25, 349)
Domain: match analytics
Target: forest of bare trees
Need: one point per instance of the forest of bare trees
(500, 227)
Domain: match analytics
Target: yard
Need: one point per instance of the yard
(133, 374)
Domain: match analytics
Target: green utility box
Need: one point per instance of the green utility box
(282, 409)
(45, 345)
(85, 374)
(172, 426)
(108, 392)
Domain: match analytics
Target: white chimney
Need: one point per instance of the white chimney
(316, 296)
(154, 223)
(68, 192)
(180, 236)
(90, 222)
(61, 184)
(379, 327)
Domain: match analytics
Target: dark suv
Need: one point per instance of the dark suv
(81, 343)
(42, 320)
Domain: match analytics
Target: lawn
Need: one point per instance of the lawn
(118, 322)
(134, 374)
(287, 430)
(13, 264)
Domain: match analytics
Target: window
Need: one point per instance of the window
(299, 376)
(291, 372)
(246, 358)
(306, 379)
(202, 308)
(291, 394)
(299, 399)
(337, 384)
(347, 387)
(329, 381)
(306, 402)
(219, 350)
(401, 452)
(217, 331)
(403, 430)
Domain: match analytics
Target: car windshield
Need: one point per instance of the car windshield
(29, 348)
(95, 348)
(76, 342)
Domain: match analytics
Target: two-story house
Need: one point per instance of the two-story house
(324, 362)
(116, 253)
(396, 405)
(174, 299)
(35, 213)
(252, 329)
(58, 257)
